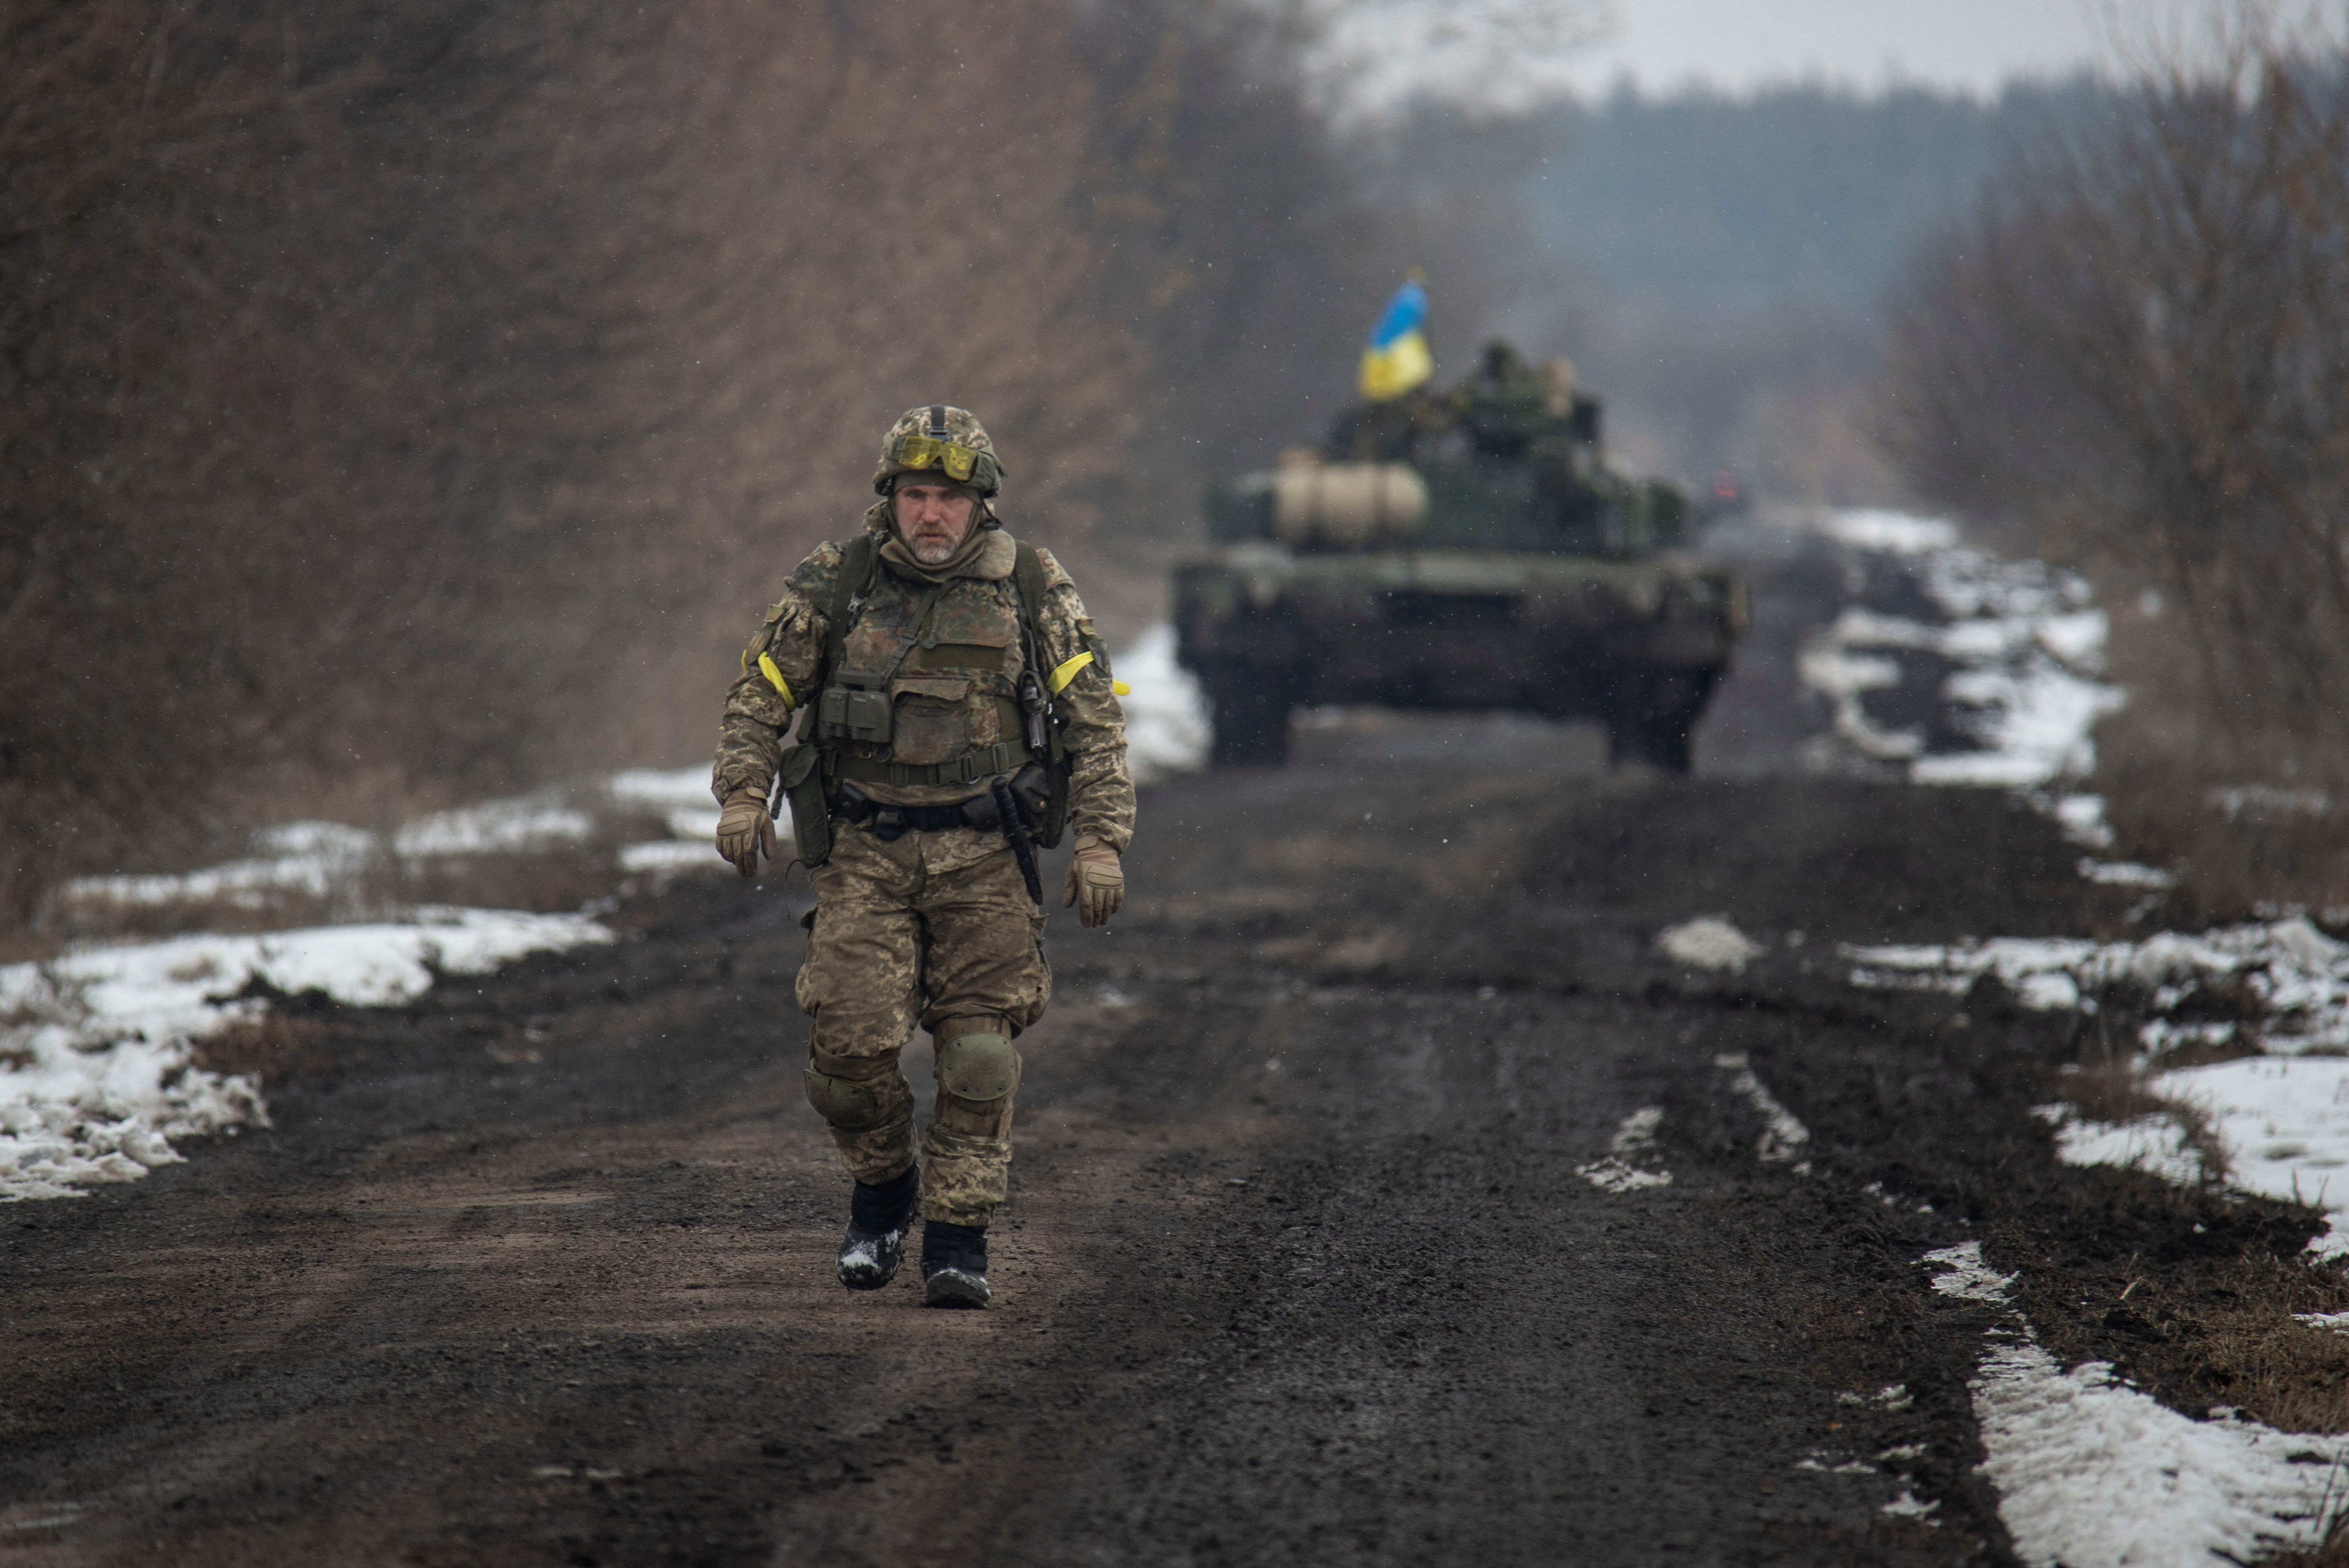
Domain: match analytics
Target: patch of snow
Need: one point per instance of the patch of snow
(312, 858)
(322, 860)
(96, 1052)
(2282, 1118)
(77, 1111)
(529, 822)
(2125, 874)
(1895, 533)
(662, 788)
(1710, 941)
(2092, 1473)
(2082, 817)
(1906, 1506)
(2338, 1322)
(1891, 1396)
(2024, 645)
(1967, 1277)
(2032, 718)
(701, 824)
(1635, 1140)
(681, 795)
(1784, 1139)
(2156, 1144)
(2295, 975)
(662, 856)
(314, 839)
(1166, 726)
(1844, 677)
(2242, 798)
(2284, 1123)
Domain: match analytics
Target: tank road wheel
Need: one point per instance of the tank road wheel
(1251, 717)
(1651, 713)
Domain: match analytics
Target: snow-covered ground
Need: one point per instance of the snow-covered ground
(97, 1049)
(681, 796)
(2280, 1111)
(2091, 1473)
(2024, 649)
(96, 1071)
(321, 858)
(1167, 720)
(2024, 645)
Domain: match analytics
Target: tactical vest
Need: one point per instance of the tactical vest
(930, 687)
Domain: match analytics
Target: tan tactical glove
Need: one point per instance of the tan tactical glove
(744, 829)
(1097, 880)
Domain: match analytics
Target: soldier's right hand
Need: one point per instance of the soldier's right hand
(744, 829)
(1096, 884)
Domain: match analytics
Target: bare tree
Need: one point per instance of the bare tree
(2132, 354)
(407, 401)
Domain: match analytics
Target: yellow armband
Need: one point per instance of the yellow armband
(1067, 671)
(775, 678)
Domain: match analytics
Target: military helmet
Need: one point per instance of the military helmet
(936, 439)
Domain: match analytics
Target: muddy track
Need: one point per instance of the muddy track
(1300, 1266)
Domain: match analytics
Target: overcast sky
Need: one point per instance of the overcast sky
(1973, 44)
(1503, 52)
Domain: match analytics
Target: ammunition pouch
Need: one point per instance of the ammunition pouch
(1030, 792)
(856, 707)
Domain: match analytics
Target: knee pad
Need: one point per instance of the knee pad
(846, 1103)
(979, 1066)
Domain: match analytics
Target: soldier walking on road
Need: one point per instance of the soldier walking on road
(957, 712)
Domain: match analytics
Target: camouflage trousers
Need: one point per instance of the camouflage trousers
(934, 929)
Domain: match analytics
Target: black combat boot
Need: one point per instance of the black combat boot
(954, 1265)
(879, 1219)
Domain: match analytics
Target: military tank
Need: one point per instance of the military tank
(1455, 551)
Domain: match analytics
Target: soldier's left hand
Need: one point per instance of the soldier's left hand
(1096, 884)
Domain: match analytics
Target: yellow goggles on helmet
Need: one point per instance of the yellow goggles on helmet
(959, 462)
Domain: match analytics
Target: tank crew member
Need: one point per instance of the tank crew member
(957, 711)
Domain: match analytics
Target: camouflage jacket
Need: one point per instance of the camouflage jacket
(955, 688)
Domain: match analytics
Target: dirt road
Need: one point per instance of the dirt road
(1340, 1231)
(1300, 1266)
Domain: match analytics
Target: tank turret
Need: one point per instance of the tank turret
(1461, 549)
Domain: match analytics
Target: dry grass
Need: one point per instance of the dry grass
(2191, 1294)
(419, 403)
(2115, 1093)
(2110, 365)
(275, 1046)
(2250, 821)
(2333, 1553)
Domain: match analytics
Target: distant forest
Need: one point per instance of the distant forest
(1715, 266)
(1807, 190)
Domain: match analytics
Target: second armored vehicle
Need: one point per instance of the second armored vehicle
(1460, 551)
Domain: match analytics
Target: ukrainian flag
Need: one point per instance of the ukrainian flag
(1398, 359)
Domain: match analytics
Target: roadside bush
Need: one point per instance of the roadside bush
(2128, 358)
(406, 403)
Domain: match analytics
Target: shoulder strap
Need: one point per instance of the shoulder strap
(1028, 577)
(855, 578)
(1028, 571)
